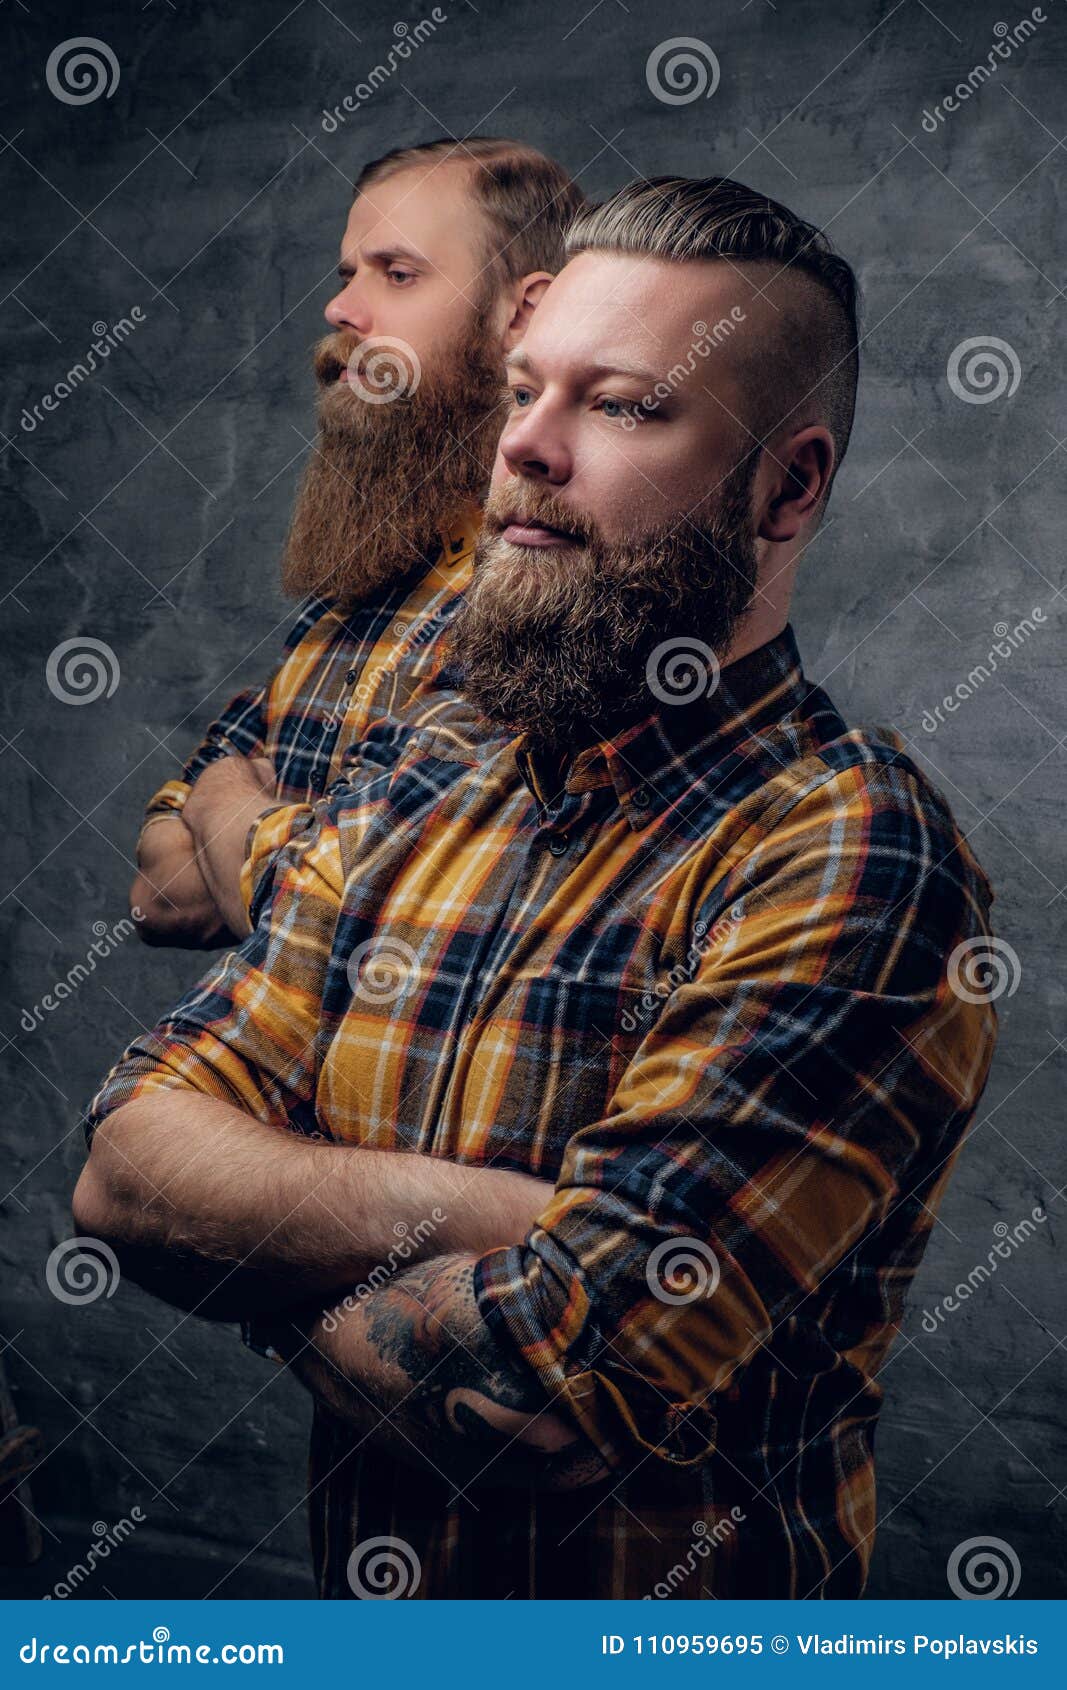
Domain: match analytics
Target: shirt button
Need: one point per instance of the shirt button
(639, 798)
(557, 844)
(351, 677)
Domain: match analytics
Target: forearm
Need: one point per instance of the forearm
(414, 1370)
(176, 906)
(219, 842)
(265, 1219)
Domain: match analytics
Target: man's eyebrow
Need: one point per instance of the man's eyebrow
(608, 366)
(385, 255)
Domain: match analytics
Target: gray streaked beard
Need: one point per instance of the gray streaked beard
(557, 644)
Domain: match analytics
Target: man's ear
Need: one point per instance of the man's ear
(798, 475)
(526, 298)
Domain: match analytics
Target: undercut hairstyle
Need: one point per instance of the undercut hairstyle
(526, 199)
(808, 371)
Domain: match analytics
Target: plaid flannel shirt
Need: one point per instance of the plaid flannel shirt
(710, 989)
(336, 667)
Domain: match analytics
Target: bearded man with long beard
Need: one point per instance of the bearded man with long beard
(665, 937)
(447, 250)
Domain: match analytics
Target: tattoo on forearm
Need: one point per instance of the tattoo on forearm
(423, 1356)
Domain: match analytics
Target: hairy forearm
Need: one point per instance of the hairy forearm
(197, 1192)
(413, 1369)
(171, 892)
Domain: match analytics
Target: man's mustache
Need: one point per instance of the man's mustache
(526, 504)
(331, 356)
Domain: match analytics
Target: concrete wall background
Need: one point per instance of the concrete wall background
(147, 510)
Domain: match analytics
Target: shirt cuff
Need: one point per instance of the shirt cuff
(622, 1413)
(169, 800)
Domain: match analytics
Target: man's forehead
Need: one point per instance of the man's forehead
(626, 309)
(414, 208)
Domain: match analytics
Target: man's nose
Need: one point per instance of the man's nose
(536, 447)
(349, 310)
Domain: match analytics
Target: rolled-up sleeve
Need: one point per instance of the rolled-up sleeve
(249, 1032)
(819, 1062)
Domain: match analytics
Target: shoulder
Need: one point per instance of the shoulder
(857, 847)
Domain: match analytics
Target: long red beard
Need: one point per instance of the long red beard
(382, 477)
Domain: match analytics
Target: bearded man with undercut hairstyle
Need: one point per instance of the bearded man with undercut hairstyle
(654, 931)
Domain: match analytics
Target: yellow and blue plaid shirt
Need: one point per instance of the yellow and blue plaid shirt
(340, 668)
(710, 988)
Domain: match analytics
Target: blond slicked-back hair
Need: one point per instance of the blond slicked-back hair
(810, 366)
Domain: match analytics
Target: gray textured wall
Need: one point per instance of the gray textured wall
(146, 511)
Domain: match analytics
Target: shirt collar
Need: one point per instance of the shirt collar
(457, 536)
(653, 761)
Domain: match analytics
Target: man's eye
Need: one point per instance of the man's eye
(522, 396)
(401, 275)
(618, 409)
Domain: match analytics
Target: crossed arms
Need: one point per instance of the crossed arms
(779, 1109)
(189, 861)
(226, 1217)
